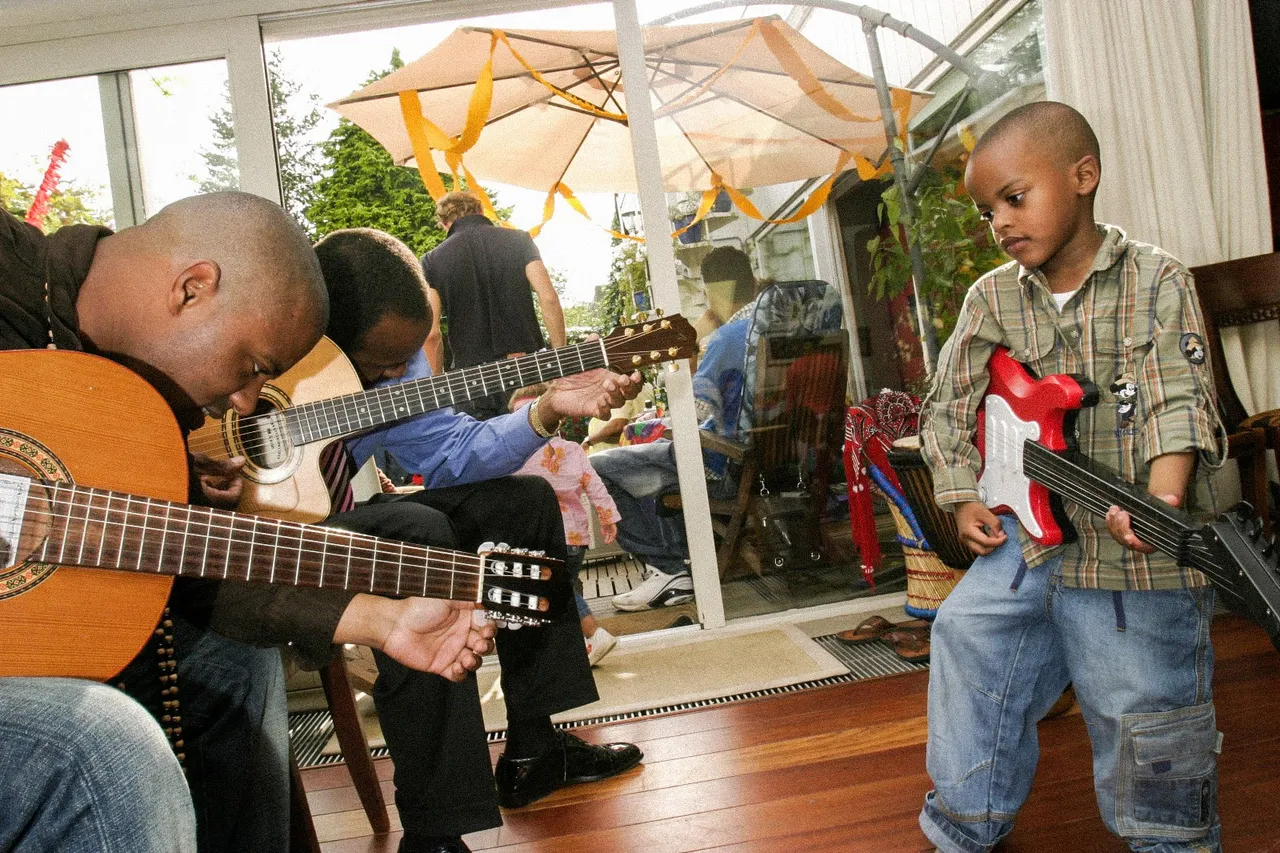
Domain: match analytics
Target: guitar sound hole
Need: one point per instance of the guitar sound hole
(265, 439)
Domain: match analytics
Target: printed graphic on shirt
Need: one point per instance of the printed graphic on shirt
(1126, 391)
(1192, 346)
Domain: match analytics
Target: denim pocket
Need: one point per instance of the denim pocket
(1168, 784)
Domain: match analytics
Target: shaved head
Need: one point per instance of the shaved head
(265, 258)
(1052, 127)
(207, 300)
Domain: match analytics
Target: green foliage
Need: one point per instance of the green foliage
(69, 204)
(955, 242)
(628, 275)
(295, 116)
(363, 188)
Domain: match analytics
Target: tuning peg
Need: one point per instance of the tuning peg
(647, 328)
(629, 332)
(655, 355)
(635, 359)
(666, 324)
(641, 316)
(622, 319)
(673, 366)
(673, 351)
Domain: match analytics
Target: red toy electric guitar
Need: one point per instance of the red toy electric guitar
(1026, 430)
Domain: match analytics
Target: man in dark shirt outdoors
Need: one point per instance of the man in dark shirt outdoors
(486, 277)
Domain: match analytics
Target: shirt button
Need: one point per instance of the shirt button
(1127, 342)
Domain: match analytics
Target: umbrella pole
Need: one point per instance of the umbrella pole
(924, 318)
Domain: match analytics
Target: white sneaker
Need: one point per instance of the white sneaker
(600, 644)
(657, 590)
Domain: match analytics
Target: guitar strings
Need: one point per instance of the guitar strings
(203, 523)
(1142, 516)
(454, 380)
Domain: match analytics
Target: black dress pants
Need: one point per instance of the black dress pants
(434, 728)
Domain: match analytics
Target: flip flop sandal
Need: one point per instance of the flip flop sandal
(912, 648)
(875, 628)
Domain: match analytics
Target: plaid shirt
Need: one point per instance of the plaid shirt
(1130, 324)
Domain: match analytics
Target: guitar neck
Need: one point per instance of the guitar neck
(93, 528)
(1097, 488)
(338, 417)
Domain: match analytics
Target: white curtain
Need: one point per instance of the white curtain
(1171, 92)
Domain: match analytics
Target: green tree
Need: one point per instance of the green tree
(363, 188)
(295, 116)
(69, 204)
(956, 244)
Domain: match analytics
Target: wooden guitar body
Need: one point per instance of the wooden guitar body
(71, 416)
(282, 479)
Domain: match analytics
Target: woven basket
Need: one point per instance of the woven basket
(929, 580)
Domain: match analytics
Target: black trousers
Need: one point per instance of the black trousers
(434, 728)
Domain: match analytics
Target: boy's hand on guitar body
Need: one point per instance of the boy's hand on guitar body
(979, 528)
(1120, 525)
(426, 634)
(220, 479)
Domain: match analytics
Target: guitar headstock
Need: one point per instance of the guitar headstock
(650, 341)
(522, 587)
(1247, 567)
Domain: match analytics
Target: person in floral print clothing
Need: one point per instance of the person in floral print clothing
(565, 466)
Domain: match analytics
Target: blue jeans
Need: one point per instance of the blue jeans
(636, 475)
(1141, 664)
(235, 729)
(87, 770)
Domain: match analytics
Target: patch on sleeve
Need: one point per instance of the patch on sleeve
(1192, 346)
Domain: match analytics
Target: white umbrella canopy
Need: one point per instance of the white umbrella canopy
(752, 101)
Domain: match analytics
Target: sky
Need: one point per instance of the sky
(172, 108)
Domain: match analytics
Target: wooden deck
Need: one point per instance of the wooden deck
(842, 769)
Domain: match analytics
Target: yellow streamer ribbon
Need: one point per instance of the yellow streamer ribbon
(798, 71)
(691, 96)
(578, 102)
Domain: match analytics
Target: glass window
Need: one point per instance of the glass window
(185, 132)
(37, 116)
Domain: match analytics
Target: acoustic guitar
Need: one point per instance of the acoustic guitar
(320, 400)
(1026, 438)
(93, 526)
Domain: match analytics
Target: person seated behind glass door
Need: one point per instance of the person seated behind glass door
(638, 475)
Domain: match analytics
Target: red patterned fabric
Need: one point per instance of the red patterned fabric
(870, 428)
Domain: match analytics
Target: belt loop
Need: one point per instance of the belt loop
(1017, 579)
(1118, 603)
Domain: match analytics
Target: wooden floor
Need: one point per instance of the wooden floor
(842, 769)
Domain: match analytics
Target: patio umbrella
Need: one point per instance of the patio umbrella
(737, 104)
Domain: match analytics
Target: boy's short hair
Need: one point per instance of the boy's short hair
(453, 206)
(1059, 127)
(726, 263)
(369, 274)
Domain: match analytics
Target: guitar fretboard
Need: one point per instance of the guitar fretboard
(93, 528)
(353, 413)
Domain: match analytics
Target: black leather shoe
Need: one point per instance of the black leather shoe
(570, 761)
(434, 845)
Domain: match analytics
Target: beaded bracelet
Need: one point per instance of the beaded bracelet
(536, 422)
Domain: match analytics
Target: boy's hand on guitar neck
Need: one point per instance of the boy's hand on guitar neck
(1119, 523)
(979, 528)
(1168, 478)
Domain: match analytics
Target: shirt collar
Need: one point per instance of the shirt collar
(1113, 248)
(472, 220)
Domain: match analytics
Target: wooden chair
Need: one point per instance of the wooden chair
(355, 750)
(794, 378)
(1237, 293)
